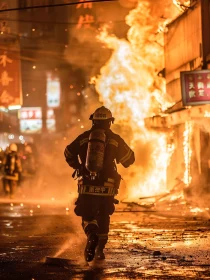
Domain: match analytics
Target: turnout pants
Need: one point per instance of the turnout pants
(9, 186)
(95, 212)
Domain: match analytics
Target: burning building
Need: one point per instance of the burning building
(169, 137)
(187, 51)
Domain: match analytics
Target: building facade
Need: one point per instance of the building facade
(187, 50)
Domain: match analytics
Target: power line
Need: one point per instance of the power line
(55, 22)
(55, 5)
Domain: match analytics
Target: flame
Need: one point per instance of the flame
(206, 114)
(180, 6)
(187, 151)
(129, 85)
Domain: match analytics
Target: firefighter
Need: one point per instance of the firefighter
(11, 168)
(94, 155)
(28, 162)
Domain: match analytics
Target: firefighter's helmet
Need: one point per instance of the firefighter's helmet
(102, 114)
(28, 149)
(13, 147)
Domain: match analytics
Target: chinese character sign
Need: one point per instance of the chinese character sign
(195, 86)
(30, 119)
(10, 85)
(4, 18)
(86, 18)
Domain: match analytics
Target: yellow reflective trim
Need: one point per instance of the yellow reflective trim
(15, 177)
(95, 190)
(67, 153)
(103, 236)
(83, 141)
(86, 223)
(126, 157)
(111, 180)
(113, 142)
(107, 184)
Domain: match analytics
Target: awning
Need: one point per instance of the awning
(178, 117)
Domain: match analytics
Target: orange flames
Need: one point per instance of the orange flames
(187, 135)
(181, 6)
(129, 85)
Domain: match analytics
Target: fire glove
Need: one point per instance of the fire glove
(78, 172)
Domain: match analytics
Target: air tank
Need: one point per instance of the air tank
(95, 152)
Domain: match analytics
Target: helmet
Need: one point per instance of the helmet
(28, 149)
(102, 114)
(13, 147)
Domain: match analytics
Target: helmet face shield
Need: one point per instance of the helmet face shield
(102, 114)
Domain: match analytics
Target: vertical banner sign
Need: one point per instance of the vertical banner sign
(5, 23)
(53, 92)
(10, 82)
(86, 18)
(10, 85)
(51, 120)
(195, 87)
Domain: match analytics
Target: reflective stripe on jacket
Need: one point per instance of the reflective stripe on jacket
(116, 150)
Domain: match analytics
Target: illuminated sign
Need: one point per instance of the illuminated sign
(30, 119)
(10, 86)
(86, 19)
(195, 87)
(50, 120)
(53, 92)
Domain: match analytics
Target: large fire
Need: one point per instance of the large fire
(130, 86)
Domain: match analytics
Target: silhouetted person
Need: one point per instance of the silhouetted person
(94, 155)
(11, 169)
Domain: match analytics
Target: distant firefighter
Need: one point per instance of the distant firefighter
(11, 170)
(94, 155)
(28, 162)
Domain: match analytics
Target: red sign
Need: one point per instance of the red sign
(195, 86)
(87, 18)
(10, 85)
(30, 113)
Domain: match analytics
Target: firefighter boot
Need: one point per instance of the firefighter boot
(99, 255)
(92, 242)
(91, 245)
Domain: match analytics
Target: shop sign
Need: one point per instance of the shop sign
(10, 84)
(30, 119)
(195, 87)
(51, 120)
(53, 92)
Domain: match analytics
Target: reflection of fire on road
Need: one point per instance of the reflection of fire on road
(130, 86)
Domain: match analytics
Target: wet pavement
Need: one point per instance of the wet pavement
(143, 244)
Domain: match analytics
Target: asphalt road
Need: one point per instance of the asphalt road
(143, 244)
